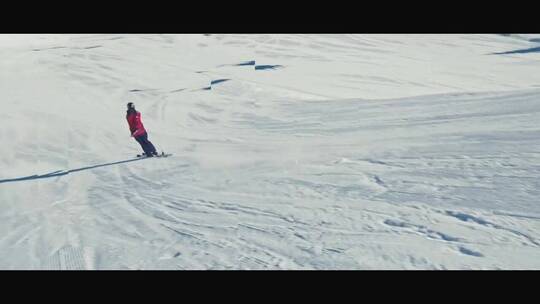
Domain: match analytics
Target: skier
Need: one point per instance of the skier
(138, 132)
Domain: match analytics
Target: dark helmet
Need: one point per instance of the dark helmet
(130, 105)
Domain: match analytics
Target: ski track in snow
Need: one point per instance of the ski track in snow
(313, 165)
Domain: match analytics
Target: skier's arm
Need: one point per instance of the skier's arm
(136, 133)
(129, 126)
(138, 123)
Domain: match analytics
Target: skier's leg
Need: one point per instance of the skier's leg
(150, 145)
(143, 142)
(138, 139)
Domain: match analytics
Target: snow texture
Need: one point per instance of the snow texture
(289, 152)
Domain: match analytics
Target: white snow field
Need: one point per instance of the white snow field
(306, 152)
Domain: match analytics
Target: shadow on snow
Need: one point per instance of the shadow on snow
(521, 51)
(65, 172)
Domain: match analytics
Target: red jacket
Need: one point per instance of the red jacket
(135, 124)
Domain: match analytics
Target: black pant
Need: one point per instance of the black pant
(146, 145)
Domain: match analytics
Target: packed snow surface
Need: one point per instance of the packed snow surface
(289, 152)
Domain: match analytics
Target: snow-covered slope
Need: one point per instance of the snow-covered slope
(290, 152)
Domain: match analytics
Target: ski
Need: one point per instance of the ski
(163, 154)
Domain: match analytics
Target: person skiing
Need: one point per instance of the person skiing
(138, 131)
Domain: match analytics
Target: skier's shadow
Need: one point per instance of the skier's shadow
(64, 172)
